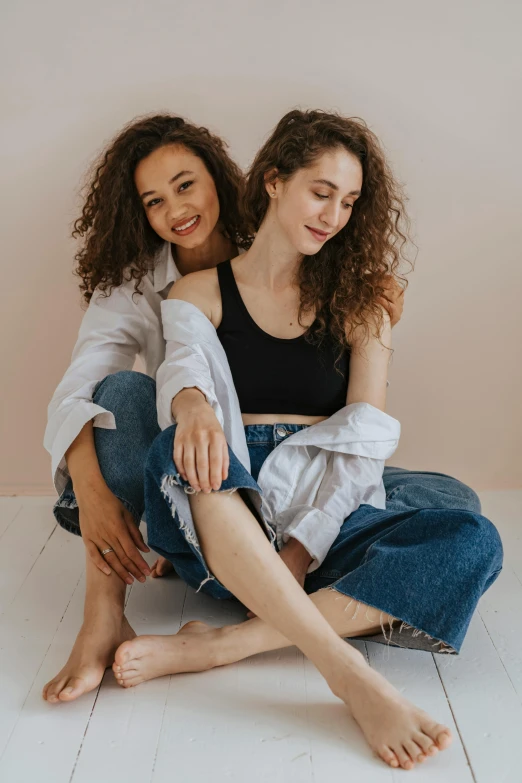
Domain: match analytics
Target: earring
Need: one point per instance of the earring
(272, 195)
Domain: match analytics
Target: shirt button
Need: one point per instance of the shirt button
(281, 432)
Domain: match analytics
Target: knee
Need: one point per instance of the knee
(160, 457)
(468, 498)
(126, 388)
(482, 540)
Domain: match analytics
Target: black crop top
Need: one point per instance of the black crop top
(273, 374)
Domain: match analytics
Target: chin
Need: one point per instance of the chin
(310, 248)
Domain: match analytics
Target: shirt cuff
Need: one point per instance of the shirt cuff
(171, 388)
(316, 531)
(58, 438)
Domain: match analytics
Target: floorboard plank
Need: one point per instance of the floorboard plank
(49, 736)
(21, 544)
(9, 508)
(122, 737)
(415, 675)
(29, 625)
(485, 706)
(501, 612)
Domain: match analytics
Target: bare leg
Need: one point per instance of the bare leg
(240, 556)
(104, 628)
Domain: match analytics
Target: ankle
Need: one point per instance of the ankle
(223, 645)
(349, 664)
(103, 612)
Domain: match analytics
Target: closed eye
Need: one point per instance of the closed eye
(346, 206)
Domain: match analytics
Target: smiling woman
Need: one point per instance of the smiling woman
(146, 182)
(183, 208)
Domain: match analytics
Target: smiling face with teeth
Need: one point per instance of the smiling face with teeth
(179, 196)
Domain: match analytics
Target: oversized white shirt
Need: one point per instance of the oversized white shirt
(114, 330)
(314, 479)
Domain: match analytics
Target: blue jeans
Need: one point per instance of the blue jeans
(425, 560)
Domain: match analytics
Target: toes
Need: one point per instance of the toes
(53, 688)
(404, 758)
(389, 757)
(73, 688)
(414, 751)
(444, 738)
(131, 682)
(440, 734)
(129, 674)
(123, 654)
(426, 743)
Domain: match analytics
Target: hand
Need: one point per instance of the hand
(297, 559)
(200, 446)
(104, 523)
(393, 299)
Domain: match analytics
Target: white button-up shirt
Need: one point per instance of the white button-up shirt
(114, 330)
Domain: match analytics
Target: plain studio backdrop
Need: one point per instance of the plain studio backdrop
(439, 84)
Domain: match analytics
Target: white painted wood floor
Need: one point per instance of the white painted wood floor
(270, 718)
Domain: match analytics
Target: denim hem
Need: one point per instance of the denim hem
(416, 638)
(167, 484)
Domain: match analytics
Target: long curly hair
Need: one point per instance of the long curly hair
(342, 282)
(119, 243)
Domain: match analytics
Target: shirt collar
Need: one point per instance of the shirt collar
(165, 270)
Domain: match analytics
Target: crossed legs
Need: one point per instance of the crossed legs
(239, 555)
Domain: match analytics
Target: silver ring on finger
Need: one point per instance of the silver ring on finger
(106, 551)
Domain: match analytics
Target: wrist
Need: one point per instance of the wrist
(298, 551)
(188, 401)
(86, 483)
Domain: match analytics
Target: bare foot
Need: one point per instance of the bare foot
(92, 653)
(146, 657)
(400, 733)
(161, 567)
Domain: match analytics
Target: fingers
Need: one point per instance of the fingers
(189, 464)
(135, 532)
(215, 453)
(226, 462)
(97, 559)
(112, 559)
(130, 557)
(204, 462)
(178, 458)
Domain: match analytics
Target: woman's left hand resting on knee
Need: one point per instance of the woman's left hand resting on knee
(200, 446)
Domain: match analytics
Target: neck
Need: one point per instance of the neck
(272, 261)
(212, 252)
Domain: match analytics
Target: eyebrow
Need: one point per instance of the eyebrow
(171, 181)
(334, 186)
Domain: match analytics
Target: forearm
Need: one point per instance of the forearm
(82, 461)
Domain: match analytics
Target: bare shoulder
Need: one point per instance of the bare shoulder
(200, 289)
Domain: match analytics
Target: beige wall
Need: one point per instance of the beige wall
(439, 82)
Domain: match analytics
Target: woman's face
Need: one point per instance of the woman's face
(179, 195)
(316, 202)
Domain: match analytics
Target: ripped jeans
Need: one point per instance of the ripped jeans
(426, 559)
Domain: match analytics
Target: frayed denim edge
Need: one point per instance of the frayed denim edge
(444, 647)
(168, 482)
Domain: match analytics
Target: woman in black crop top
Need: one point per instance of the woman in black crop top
(299, 319)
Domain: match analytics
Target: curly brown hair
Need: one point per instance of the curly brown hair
(343, 281)
(119, 241)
